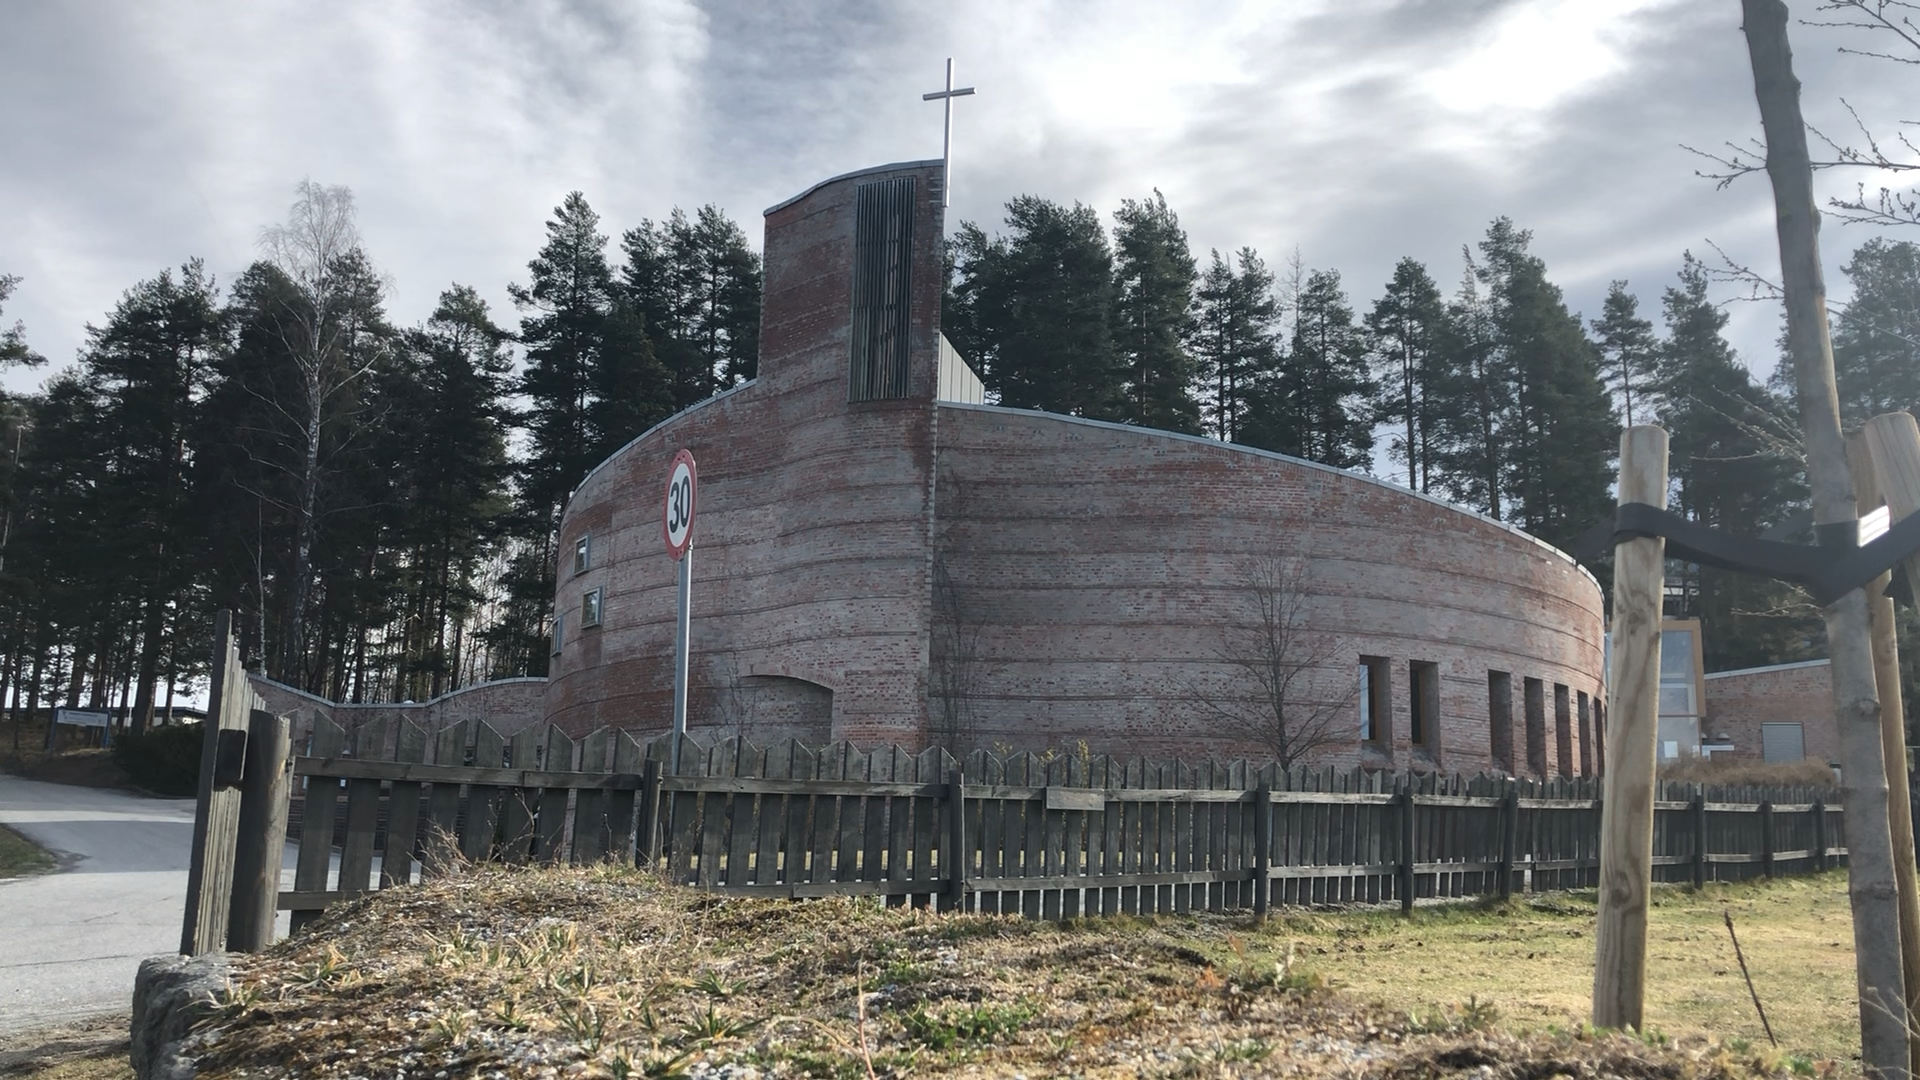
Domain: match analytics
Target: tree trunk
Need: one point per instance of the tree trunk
(151, 635)
(292, 650)
(1876, 927)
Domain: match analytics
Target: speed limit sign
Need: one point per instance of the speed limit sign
(677, 526)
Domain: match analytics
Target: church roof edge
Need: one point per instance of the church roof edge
(871, 169)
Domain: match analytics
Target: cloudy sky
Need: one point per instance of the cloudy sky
(135, 134)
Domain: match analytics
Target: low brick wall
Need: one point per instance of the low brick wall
(507, 704)
(1739, 702)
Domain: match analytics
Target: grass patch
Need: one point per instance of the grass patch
(20, 856)
(1532, 960)
(607, 972)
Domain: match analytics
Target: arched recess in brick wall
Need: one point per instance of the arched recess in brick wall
(773, 708)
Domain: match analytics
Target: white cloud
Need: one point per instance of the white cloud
(136, 136)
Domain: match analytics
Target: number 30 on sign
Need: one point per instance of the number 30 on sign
(677, 526)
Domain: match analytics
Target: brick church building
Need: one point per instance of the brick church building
(882, 557)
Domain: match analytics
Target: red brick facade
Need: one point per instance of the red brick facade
(1739, 702)
(860, 567)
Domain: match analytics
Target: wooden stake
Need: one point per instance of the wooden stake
(1626, 808)
(1870, 873)
(262, 842)
(1886, 469)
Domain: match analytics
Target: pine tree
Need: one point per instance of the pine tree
(1876, 337)
(1316, 403)
(13, 339)
(1234, 337)
(143, 369)
(695, 287)
(1560, 432)
(1405, 330)
(1471, 397)
(1032, 310)
(1628, 349)
(449, 426)
(1153, 302)
(570, 297)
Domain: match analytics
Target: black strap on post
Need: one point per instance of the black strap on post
(1831, 569)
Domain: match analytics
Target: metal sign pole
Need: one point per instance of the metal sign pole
(677, 530)
(682, 635)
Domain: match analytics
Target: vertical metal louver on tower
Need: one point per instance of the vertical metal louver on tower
(882, 289)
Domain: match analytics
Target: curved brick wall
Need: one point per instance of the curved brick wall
(1100, 562)
(1090, 567)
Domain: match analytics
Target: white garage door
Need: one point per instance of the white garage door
(1782, 742)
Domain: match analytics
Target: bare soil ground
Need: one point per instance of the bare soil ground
(90, 1049)
(606, 972)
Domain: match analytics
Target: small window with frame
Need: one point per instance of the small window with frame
(583, 554)
(559, 634)
(590, 608)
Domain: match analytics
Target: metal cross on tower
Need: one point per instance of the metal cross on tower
(946, 144)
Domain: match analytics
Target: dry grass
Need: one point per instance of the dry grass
(1533, 960)
(1737, 772)
(20, 856)
(605, 972)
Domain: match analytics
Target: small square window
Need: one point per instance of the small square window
(583, 554)
(590, 608)
(559, 620)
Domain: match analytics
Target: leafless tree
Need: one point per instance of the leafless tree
(317, 327)
(1890, 32)
(1279, 695)
(735, 705)
(954, 652)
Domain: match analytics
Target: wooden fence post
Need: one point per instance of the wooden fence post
(263, 832)
(1820, 835)
(1406, 846)
(1509, 837)
(1626, 824)
(216, 811)
(1885, 458)
(1697, 817)
(649, 840)
(1263, 850)
(1766, 837)
(956, 856)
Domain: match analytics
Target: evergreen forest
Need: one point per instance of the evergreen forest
(376, 499)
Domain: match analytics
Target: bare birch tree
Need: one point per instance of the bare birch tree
(316, 328)
(1277, 696)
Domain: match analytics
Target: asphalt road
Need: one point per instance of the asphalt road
(71, 941)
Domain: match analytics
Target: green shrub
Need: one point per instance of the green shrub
(165, 760)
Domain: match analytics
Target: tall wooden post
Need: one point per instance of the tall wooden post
(1407, 834)
(1262, 850)
(262, 843)
(957, 855)
(1870, 874)
(1509, 837)
(1886, 469)
(1633, 689)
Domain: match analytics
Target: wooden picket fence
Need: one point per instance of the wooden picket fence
(1044, 837)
